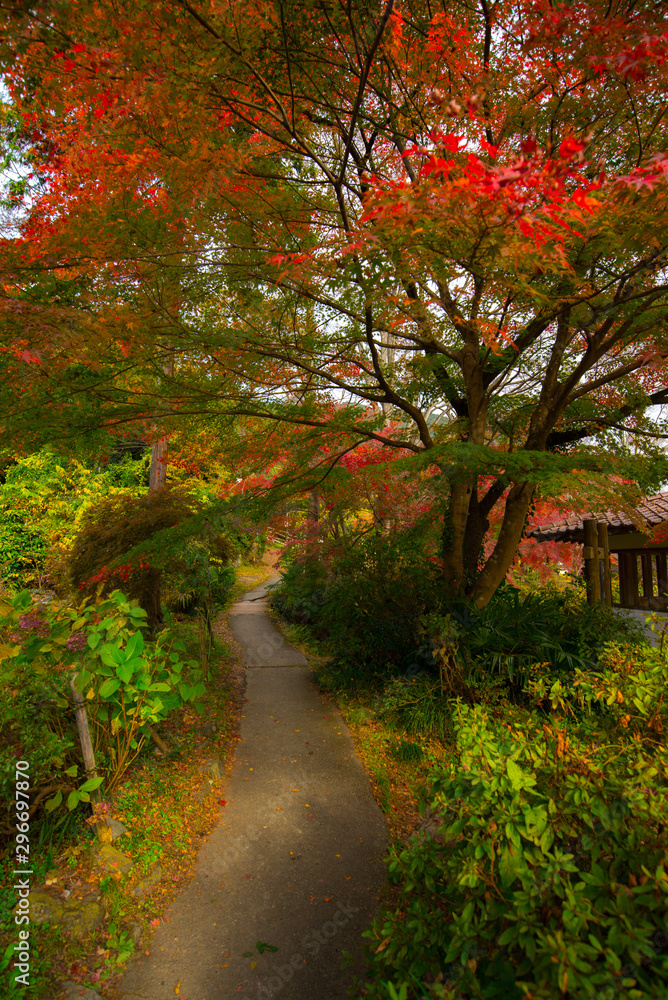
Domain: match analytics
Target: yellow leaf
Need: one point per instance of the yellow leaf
(177, 988)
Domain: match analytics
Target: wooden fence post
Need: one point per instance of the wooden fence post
(605, 573)
(591, 563)
(84, 733)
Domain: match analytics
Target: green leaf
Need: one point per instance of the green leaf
(111, 655)
(124, 671)
(516, 774)
(509, 865)
(73, 800)
(91, 784)
(8, 955)
(134, 645)
(71, 772)
(109, 687)
(547, 839)
(53, 803)
(262, 947)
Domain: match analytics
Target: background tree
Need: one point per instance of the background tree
(452, 215)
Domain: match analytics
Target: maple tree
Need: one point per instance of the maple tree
(441, 228)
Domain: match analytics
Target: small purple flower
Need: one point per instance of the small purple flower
(76, 641)
(32, 623)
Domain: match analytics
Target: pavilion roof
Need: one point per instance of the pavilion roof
(652, 510)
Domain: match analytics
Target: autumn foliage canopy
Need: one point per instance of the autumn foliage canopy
(441, 228)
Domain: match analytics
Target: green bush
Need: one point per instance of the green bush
(367, 602)
(415, 705)
(129, 685)
(629, 689)
(23, 549)
(546, 878)
(516, 630)
(42, 497)
(382, 610)
(34, 728)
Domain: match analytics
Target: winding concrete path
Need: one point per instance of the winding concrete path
(296, 860)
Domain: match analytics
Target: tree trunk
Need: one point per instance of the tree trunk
(158, 473)
(477, 526)
(313, 507)
(157, 479)
(454, 533)
(500, 561)
(150, 600)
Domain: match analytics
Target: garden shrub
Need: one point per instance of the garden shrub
(191, 565)
(630, 688)
(42, 498)
(557, 626)
(415, 705)
(129, 684)
(23, 549)
(34, 728)
(366, 600)
(383, 610)
(546, 878)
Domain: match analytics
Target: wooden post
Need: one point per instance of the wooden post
(661, 574)
(84, 733)
(203, 644)
(590, 553)
(647, 581)
(605, 573)
(628, 579)
(623, 568)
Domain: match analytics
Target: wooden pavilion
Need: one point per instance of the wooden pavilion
(642, 562)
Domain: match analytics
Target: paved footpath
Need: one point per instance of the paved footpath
(296, 860)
